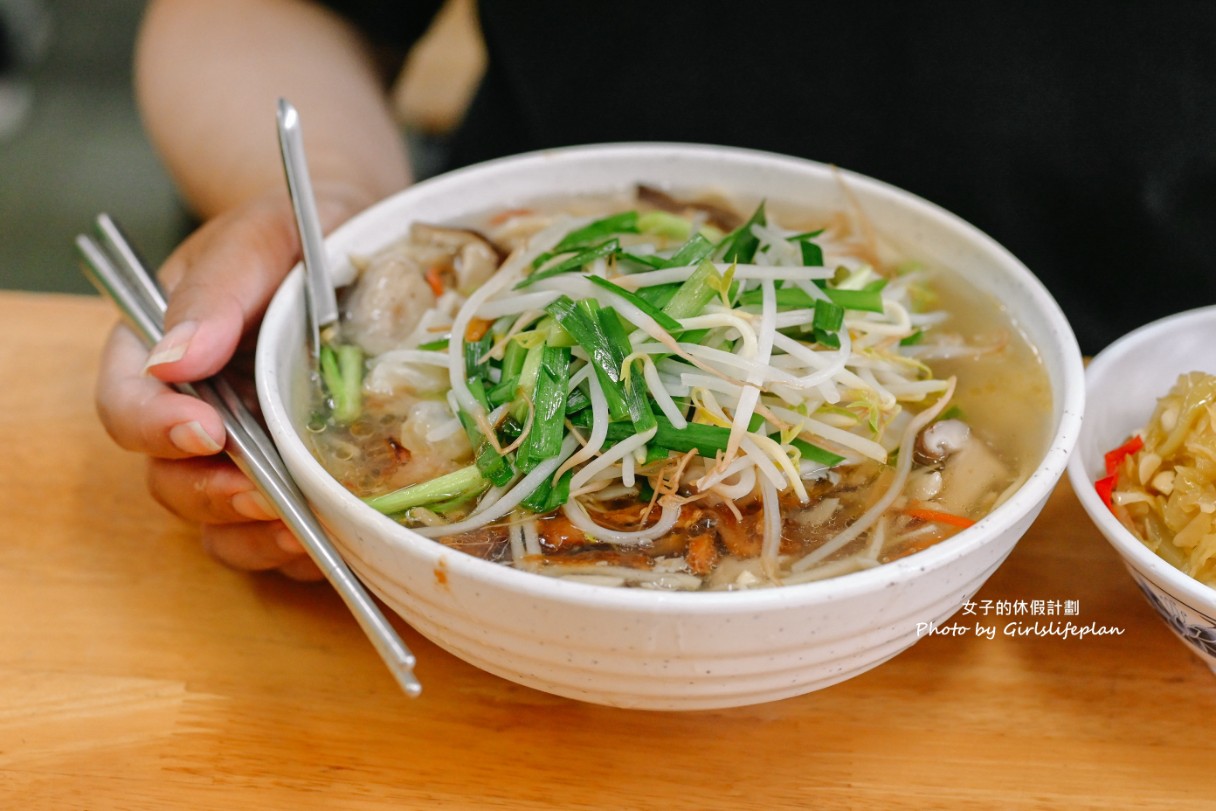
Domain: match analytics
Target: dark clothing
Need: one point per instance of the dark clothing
(1081, 135)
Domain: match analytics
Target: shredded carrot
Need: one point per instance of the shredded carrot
(477, 328)
(435, 280)
(939, 517)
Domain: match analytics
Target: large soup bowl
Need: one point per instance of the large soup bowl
(655, 649)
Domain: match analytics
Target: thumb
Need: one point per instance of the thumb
(220, 281)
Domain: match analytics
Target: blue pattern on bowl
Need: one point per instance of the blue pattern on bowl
(1194, 627)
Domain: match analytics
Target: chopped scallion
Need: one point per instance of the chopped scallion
(741, 244)
(588, 333)
(547, 497)
(342, 373)
(457, 484)
(868, 300)
(814, 453)
(697, 290)
(625, 222)
(544, 440)
(664, 320)
(633, 389)
(576, 262)
(664, 224)
(691, 252)
(829, 316)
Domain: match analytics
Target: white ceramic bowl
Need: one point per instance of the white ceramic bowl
(1123, 384)
(659, 650)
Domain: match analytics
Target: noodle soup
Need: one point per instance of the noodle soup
(675, 394)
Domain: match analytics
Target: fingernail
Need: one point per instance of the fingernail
(252, 504)
(192, 439)
(173, 345)
(288, 542)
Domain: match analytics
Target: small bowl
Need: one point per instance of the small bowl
(1123, 383)
(650, 649)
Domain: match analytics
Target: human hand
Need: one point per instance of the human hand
(219, 282)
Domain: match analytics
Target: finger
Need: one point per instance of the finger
(250, 546)
(221, 279)
(302, 569)
(143, 414)
(208, 490)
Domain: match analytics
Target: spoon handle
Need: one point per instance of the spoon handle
(322, 302)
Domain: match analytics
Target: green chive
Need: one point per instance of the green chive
(697, 290)
(652, 262)
(829, 339)
(456, 484)
(829, 316)
(525, 385)
(493, 465)
(504, 392)
(664, 320)
(513, 359)
(475, 362)
(576, 262)
(664, 224)
(812, 254)
(706, 439)
(635, 389)
(787, 297)
(587, 332)
(444, 507)
(544, 440)
(814, 453)
(478, 390)
(691, 252)
(625, 222)
(576, 401)
(741, 244)
(655, 453)
(547, 497)
(869, 300)
(342, 373)
(658, 295)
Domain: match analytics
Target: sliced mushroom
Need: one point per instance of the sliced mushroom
(972, 478)
(941, 439)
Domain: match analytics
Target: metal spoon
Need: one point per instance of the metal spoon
(322, 303)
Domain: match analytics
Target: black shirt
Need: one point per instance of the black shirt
(1081, 135)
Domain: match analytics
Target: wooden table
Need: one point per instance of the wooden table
(135, 673)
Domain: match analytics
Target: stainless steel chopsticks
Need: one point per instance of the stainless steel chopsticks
(116, 270)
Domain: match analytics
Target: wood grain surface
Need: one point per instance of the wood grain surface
(136, 673)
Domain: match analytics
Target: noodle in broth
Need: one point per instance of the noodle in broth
(666, 394)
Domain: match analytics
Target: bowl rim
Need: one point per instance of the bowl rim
(1131, 548)
(1033, 491)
